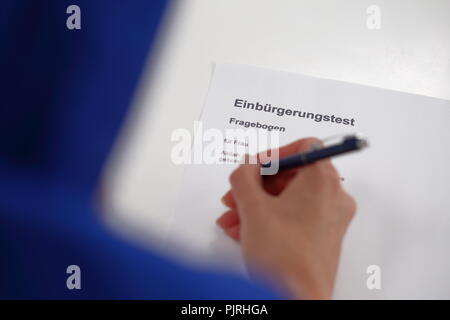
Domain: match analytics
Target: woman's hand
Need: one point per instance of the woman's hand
(291, 224)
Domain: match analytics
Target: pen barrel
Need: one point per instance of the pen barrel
(301, 159)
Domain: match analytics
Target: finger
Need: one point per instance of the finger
(246, 185)
(276, 183)
(228, 200)
(228, 219)
(233, 232)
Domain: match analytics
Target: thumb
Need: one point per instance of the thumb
(247, 186)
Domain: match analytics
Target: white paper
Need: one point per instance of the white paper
(401, 182)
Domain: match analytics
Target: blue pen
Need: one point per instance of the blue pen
(349, 143)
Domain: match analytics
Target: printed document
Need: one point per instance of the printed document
(398, 243)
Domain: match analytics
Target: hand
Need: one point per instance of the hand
(290, 225)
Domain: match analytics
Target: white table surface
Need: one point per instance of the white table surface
(325, 38)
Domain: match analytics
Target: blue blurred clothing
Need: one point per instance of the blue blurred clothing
(64, 94)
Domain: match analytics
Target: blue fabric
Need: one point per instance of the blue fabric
(63, 97)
